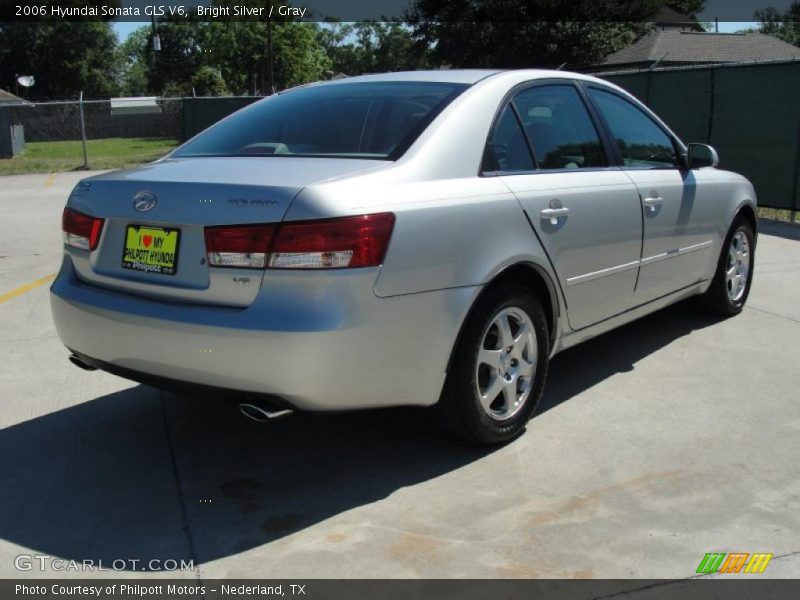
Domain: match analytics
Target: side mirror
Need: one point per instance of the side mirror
(702, 155)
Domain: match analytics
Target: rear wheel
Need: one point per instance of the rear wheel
(731, 285)
(499, 367)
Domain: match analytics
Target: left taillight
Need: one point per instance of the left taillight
(80, 230)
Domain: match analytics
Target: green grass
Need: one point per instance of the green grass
(776, 214)
(111, 153)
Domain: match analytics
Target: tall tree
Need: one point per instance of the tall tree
(372, 47)
(65, 57)
(168, 71)
(299, 58)
(513, 33)
(784, 26)
(239, 51)
(134, 68)
(171, 69)
(690, 8)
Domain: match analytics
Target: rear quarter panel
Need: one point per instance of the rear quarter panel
(448, 233)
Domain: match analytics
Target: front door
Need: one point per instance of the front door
(587, 216)
(677, 204)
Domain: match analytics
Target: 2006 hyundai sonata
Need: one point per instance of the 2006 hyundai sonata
(404, 239)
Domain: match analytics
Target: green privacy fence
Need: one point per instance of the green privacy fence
(199, 113)
(750, 113)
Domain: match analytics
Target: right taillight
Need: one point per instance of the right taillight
(332, 243)
(346, 242)
(242, 246)
(80, 230)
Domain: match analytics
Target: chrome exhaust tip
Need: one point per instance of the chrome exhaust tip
(262, 414)
(75, 360)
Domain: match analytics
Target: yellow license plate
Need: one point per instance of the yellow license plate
(151, 249)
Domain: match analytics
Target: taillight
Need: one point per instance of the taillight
(359, 241)
(333, 243)
(243, 246)
(80, 230)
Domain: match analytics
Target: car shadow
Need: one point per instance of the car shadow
(577, 369)
(107, 481)
(139, 474)
(789, 231)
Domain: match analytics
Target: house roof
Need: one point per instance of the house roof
(9, 98)
(691, 47)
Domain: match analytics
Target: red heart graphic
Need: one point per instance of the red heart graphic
(147, 240)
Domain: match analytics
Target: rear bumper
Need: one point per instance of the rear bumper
(319, 341)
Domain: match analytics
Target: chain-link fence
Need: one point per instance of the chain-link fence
(750, 112)
(101, 134)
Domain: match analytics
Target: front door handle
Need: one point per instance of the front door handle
(552, 214)
(653, 202)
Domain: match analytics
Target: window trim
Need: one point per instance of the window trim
(677, 145)
(602, 133)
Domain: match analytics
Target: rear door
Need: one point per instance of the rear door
(547, 149)
(677, 204)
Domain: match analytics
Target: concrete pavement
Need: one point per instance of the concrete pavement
(656, 443)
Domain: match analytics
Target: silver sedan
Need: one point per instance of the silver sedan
(424, 238)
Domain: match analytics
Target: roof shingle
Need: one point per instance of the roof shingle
(691, 47)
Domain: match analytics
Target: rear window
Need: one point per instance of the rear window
(350, 120)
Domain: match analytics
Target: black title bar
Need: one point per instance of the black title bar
(361, 10)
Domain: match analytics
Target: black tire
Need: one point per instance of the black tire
(459, 406)
(717, 298)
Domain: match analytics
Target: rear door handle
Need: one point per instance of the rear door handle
(552, 214)
(652, 202)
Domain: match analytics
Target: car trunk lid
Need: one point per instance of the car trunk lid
(185, 196)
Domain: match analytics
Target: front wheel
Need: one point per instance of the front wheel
(731, 285)
(499, 367)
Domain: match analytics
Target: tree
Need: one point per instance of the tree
(239, 51)
(689, 8)
(372, 47)
(513, 34)
(168, 71)
(784, 26)
(299, 58)
(181, 54)
(208, 82)
(65, 57)
(134, 71)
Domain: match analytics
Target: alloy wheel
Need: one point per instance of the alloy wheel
(738, 266)
(506, 364)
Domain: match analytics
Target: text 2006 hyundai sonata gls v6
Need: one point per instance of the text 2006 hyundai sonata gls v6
(404, 239)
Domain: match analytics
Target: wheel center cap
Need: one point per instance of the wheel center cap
(505, 363)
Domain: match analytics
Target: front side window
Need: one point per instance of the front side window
(378, 120)
(641, 141)
(559, 127)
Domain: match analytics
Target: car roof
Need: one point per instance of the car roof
(466, 76)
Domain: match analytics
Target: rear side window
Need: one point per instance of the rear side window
(507, 149)
(560, 129)
(641, 140)
(349, 120)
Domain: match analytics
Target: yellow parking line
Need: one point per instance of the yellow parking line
(50, 180)
(26, 288)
